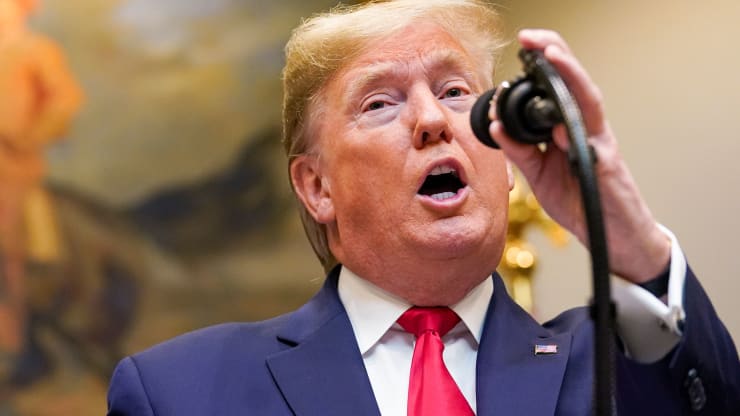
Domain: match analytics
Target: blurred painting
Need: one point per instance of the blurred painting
(143, 188)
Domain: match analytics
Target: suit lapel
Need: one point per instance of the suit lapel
(511, 379)
(322, 373)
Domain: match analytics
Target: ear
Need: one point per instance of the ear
(312, 188)
(510, 174)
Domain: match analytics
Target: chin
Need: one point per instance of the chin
(443, 286)
(458, 237)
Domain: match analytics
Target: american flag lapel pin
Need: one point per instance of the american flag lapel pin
(545, 349)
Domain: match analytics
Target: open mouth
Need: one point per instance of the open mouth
(443, 182)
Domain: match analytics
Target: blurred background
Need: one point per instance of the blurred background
(165, 206)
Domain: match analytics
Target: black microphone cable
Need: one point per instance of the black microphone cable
(528, 108)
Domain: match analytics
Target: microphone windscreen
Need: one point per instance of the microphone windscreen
(479, 120)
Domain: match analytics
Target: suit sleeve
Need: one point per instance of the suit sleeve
(706, 359)
(700, 376)
(126, 394)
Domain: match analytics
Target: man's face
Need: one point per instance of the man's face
(415, 202)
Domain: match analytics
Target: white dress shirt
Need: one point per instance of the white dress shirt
(387, 349)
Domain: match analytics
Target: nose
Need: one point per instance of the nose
(430, 120)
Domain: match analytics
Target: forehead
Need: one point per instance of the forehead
(410, 41)
(392, 56)
(426, 43)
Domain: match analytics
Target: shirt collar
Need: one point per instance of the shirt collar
(372, 310)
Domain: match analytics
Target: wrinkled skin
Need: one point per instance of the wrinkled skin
(400, 109)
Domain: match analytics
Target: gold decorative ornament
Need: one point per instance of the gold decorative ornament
(519, 260)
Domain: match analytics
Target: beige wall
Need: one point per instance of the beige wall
(670, 73)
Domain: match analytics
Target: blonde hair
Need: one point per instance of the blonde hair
(324, 44)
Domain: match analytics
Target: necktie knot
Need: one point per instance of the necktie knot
(418, 320)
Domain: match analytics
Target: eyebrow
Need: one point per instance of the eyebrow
(434, 60)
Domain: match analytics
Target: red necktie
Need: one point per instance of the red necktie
(432, 391)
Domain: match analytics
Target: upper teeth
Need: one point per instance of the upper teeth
(441, 170)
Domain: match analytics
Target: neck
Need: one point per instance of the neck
(424, 286)
(422, 278)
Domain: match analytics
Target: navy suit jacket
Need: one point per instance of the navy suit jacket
(308, 363)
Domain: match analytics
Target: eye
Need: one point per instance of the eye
(454, 93)
(375, 105)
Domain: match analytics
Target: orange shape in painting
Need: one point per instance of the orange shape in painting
(38, 98)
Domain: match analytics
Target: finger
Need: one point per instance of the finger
(541, 38)
(584, 90)
(527, 157)
(560, 137)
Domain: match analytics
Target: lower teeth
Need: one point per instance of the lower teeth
(443, 195)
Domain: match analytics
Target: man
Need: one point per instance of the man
(396, 189)
(38, 101)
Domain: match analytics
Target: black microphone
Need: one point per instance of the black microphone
(528, 108)
(480, 121)
(524, 107)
